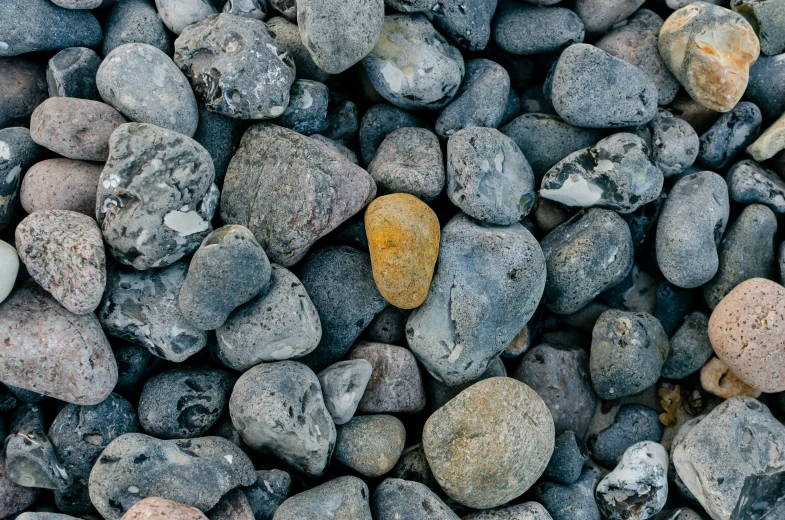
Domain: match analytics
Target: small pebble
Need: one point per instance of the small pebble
(599, 16)
(689, 348)
(307, 110)
(155, 508)
(343, 498)
(30, 458)
(395, 384)
(716, 378)
(232, 506)
(370, 444)
(9, 267)
(749, 182)
(770, 142)
(765, 86)
(674, 144)
(71, 74)
(572, 502)
(18, 152)
(377, 123)
(268, 493)
(726, 140)
(255, 9)
(22, 88)
(61, 184)
(467, 23)
(343, 385)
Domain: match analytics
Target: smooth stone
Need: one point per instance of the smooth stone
(413, 466)
(283, 209)
(744, 330)
(370, 444)
(395, 384)
(674, 144)
(746, 251)
(141, 307)
(479, 101)
(260, 408)
(135, 21)
(710, 50)
(9, 268)
(599, 16)
(527, 511)
(61, 184)
(569, 456)
(255, 9)
(467, 23)
(78, 4)
(179, 14)
(13, 497)
(572, 502)
(475, 443)
(220, 136)
(586, 255)
(488, 177)
(268, 493)
(280, 323)
(377, 123)
(633, 423)
(716, 378)
(403, 239)
(30, 458)
(155, 508)
(44, 516)
(233, 506)
(689, 348)
(770, 142)
(307, 110)
(342, 498)
(438, 393)
(18, 152)
(64, 253)
(408, 43)
(749, 182)
(395, 499)
(22, 88)
(71, 74)
(617, 173)
(245, 78)
(288, 35)
(156, 196)
(726, 140)
(343, 384)
(591, 88)
(339, 281)
(75, 364)
(560, 376)
(768, 20)
(697, 207)
(519, 28)
(765, 87)
(486, 288)
(40, 25)
(145, 85)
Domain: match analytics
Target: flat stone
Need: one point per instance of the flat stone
(395, 384)
(63, 184)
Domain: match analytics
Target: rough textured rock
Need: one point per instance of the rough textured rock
(689, 348)
(220, 136)
(490, 444)
(246, 8)
(573, 502)
(632, 424)
(765, 86)
(395, 384)
(520, 28)
(343, 385)
(307, 110)
(674, 144)
(288, 35)
(22, 88)
(63, 184)
(598, 16)
(155, 508)
(71, 73)
(179, 14)
(569, 456)
(268, 493)
(749, 182)
(370, 444)
(342, 498)
(716, 378)
(396, 498)
(377, 123)
(13, 497)
(467, 23)
(135, 21)
(726, 140)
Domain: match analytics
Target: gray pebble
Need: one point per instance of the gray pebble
(268, 493)
(727, 139)
(488, 177)
(673, 142)
(767, 19)
(256, 9)
(343, 120)
(633, 423)
(395, 385)
(690, 347)
(410, 43)
(586, 255)
(278, 408)
(467, 23)
(39, 25)
(573, 502)
(591, 88)
(560, 376)
(628, 350)
(377, 123)
(179, 14)
(617, 173)
(135, 364)
(307, 110)
(22, 88)
(343, 384)
(598, 16)
(280, 323)
(236, 66)
(30, 458)
(220, 136)
(342, 498)
(749, 182)
(141, 307)
(697, 207)
(156, 196)
(135, 21)
(533, 101)
(765, 86)
(395, 498)
(135, 466)
(526, 511)
(288, 35)
(569, 456)
(71, 73)
(486, 287)
(370, 444)
(18, 152)
(438, 393)
(412, 465)
(521, 28)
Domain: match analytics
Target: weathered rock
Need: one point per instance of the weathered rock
(569, 456)
(716, 378)
(343, 385)
(749, 182)
(268, 493)
(729, 136)
(632, 424)
(17, 153)
(30, 458)
(22, 88)
(307, 110)
(395, 498)
(155, 508)
(467, 23)
(520, 28)
(598, 16)
(255, 9)
(768, 20)
(770, 142)
(63, 184)
(287, 34)
(71, 73)
(342, 498)
(220, 136)
(370, 444)
(179, 14)
(395, 384)
(377, 123)
(13, 497)
(674, 144)
(573, 502)
(135, 21)
(689, 348)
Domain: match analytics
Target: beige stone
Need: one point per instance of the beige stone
(717, 379)
(155, 508)
(61, 184)
(770, 142)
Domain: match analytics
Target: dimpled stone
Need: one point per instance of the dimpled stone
(489, 444)
(710, 50)
(403, 238)
(771, 141)
(51, 351)
(63, 184)
(342, 498)
(155, 508)
(746, 331)
(716, 378)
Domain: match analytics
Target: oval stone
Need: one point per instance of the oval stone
(61, 184)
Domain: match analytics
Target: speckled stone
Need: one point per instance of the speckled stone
(73, 364)
(771, 141)
(768, 20)
(599, 16)
(135, 21)
(490, 444)
(520, 28)
(342, 498)
(689, 348)
(64, 253)
(63, 184)
(22, 88)
(745, 331)
(569, 456)
(726, 140)
(155, 508)
(370, 444)
(343, 384)
(395, 385)
(526, 511)
(288, 35)
(749, 182)
(179, 14)
(13, 497)
(71, 73)
(716, 378)
(674, 144)
(377, 123)
(395, 498)
(710, 50)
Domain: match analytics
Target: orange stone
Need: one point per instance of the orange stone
(403, 237)
(717, 379)
(155, 508)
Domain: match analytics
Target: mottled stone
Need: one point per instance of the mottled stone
(569, 456)
(573, 502)
(674, 144)
(135, 21)
(307, 110)
(726, 140)
(155, 508)
(22, 88)
(17, 153)
(716, 378)
(13, 497)
(343, 385)
(467, 23)
(767, 17)
(632, 424)
(519, 28)
(71, 73)
(288, 35)
(689, 348)
(63, 184)
(770, 142)
(232, 506)
(599, 16)
(394, 499)
(256, 9)
(395, 384)
(179, 14)
(749, 182)
(370, 444)
(268, 493)
(342, 498)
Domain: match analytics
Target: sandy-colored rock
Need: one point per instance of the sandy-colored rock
(61, 184)
(770, 142)
(155, 508)
(75, 128)
(747, 331)
(403, 238)
(717, 379)
(710, 50)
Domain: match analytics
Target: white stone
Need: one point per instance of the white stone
(576, 191)
(9, 267)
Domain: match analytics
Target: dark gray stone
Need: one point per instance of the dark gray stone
(307, 110)
(268, 493)
(633, 423)
(467, 23)
(569, 456)
(343, 121)
(534, 101)
(395, 498)
(220, 136)
(573, 502)
(673, 305)
(766, 86)
(135, 364)
(521, 28)
(690, 347)
(71, 73)
(30, 458)
(673, 142)
(726, 140)
(643, 219)
(343, 498)
(18, 152)
(395, 384)
(22, 89)
(343, 384)
(749, 182)
(135, 21)
(412, 465)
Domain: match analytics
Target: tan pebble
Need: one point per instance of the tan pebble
(770, 142)
(61, 184)
(717, 379)
(155, 508)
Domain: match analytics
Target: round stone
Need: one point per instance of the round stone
(135, 21)
(370, 444)
(155, 508)
(342, 498)
(71, 73)
(63, 184)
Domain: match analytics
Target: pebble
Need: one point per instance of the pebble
(343, 498)
(726, 140)
(588, 254)
(520, 28)
(466, 23)
(39, 25)
(560, 376)
(307, 110)
(600, 16)
(638, 487)
(13, 497)
(135, 21)
(153, 225)
(268, 493)
(749, 182)
(413, 466)
(408, 43)
(633, 423)
(280, 323)
(716, 378)
(141, 307)
(343, 385)
(569, 456)
(179, 14)
(487, 286)
(286, 394)
(377, 123)
(744, 331)
(287, 35)
(488, 176)
(689, 348)
(232, 506)
(674, 144)
(284, 210)
(126, 76)
(19, 152)
(255, 9)
(473, 442)
(61, 184)
(617, 173)
(396, 498)
(767, 19)
(572, 502)
(155, 508)
(30, 458)
(246, 78)
(591, 88)
(71, 74)
(22, 88)
(710, 50)
(395, 384)
(9, 267)
(136, 466)
(74, 365)
(697, 207)
(628, 350)
(770, 142)
(228, 270)
(64, 253)
(764, 88)
(370, 444)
